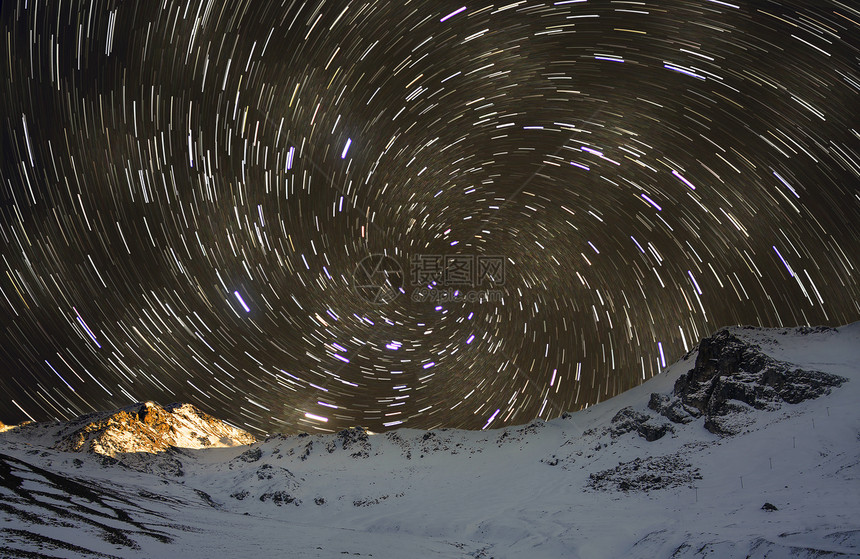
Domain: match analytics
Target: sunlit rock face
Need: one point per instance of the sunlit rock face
(148, 428)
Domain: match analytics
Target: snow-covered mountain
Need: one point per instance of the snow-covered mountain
(144, 427)
(144, 436)
(747, 447)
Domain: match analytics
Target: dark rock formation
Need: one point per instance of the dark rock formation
(646, 426)
(671, 408)
(251, 455)
(645, 474)
(265, 472)
(732, 376)
(280, 498)
(353, 438)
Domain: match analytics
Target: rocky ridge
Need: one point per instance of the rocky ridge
(143, 436)
(150, 428)
(732, 377)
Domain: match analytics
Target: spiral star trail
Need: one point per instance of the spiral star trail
(260, 207)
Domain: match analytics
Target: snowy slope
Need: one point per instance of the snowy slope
(761, 416)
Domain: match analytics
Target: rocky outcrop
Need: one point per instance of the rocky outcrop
(646, 474)
(251, 455)
(280, 498)
(732, 376)
(646, 426)
(671, 408)
(149, 428)
(354, 440)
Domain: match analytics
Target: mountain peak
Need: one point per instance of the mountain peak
(733, 375)
(149, 428)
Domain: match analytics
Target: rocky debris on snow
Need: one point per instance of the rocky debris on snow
(405, 449)
(645, 474)
(370, 502)
(207, 498)
(308, 448)
(280, 498)
(520, 434)
(847, 538)
(671, 408)
(646, 426)
(265, 472)
(353, 438)
(732, 376)
(251, 455)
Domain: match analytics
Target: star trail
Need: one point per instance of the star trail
(310, 215)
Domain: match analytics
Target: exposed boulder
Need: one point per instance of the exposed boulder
(280, 498)
(646, 426)
(672, 409)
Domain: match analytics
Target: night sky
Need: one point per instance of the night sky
(309, 215)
